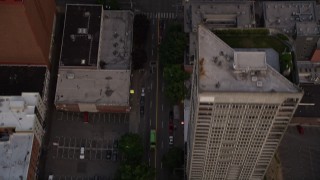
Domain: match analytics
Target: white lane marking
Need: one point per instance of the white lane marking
(161, 165)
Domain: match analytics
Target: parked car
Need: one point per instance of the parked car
(82, 153)
(300, 129)
(170, 140)
(115, 144)
(109, 154)
(171, 127)
(114, 155)
(50, 177)
(85, 117)
(142, 92)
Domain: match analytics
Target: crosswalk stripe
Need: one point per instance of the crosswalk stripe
(160, 15)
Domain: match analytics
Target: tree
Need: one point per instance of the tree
(286, 63)
(135, 172)
(175, 89)
(173, 46)
(139, 57)
(173, 159)
(130, 145)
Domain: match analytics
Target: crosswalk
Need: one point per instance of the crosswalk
(160, 15)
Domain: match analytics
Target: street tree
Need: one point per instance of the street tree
(130, 145)
(174, 158)
(175, 89)
(173, 46)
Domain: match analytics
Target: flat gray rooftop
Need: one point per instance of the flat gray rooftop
(307, 28)
(15, 156)
(216, 70)
(106, 87)
(220, 14)
(284, 15)
(116, 42)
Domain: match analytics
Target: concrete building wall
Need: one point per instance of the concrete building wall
(93, 108)
(25, 31)
(305, 46)
(236, 140)
(34, 159)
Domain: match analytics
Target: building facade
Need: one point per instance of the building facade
(26, 31)
(240, 109)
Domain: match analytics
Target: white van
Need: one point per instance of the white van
(82, 153)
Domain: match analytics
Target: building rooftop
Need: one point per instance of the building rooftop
(218, 68)
(116, 41)
(284, 15)
(18, 111)
(105, 87)
(81, 35)
(307, 28)
(219, 14)
(15, 156)
(16, 79)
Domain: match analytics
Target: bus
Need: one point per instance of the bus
(153, 139)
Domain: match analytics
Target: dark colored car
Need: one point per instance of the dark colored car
(171, 115)
(300, 129)
(115, 144)
(141, 110)
(85, 117)
(171, 128)
(109, 154)
(114, 155)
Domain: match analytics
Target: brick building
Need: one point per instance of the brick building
(26, 31)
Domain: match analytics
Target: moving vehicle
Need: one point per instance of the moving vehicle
(153, 139)
(109, 154)
(170, 140)
(82, 153)
(50, 177)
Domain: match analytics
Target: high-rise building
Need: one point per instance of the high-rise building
(26, 31)
(240, 109)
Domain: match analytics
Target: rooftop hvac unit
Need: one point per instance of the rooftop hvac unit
(82, 31)
(259, 83)
(70, 76)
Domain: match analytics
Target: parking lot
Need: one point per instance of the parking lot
(113, 118)
(94, 149)
(97, 138)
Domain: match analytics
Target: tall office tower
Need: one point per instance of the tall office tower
(240, 109)
(25, 31)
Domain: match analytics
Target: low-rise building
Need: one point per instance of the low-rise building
(297, 19)
(21, 133)
(95, 61)
(217, 14)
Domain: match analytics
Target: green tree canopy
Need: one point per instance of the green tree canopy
(135, 172)
(173, 46)
(130, 145)
(173, 159)
(175, 89)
